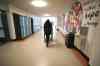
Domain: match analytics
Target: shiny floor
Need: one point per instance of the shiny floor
(33, 52)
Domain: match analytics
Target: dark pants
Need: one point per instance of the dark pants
(46, 38)
(51, 36)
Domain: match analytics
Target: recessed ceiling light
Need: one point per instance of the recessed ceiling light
(39, 3)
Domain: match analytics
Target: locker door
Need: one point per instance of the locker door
(25, 26)
(22, 26)
(5, 29)
(2, 34)
(32, 25)
(30, 32)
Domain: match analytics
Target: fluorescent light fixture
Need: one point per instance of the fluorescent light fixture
(47, 15)
(39, 3)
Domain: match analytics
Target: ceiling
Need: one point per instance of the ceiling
(54, 8)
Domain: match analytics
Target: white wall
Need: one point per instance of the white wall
(94, 37)
(11, 25)
(60, 21)
(14, 9)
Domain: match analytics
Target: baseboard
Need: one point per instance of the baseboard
(22, 38)
(84, 55)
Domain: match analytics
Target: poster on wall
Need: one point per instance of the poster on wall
(72, 19)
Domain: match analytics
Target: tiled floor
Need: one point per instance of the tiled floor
(33, 52)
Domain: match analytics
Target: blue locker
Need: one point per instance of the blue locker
(26, 27)
(30, 29)
(22, 25)
(2, 33)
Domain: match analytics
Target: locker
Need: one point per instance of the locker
(4, 31)
(22, 26)
(32, 25)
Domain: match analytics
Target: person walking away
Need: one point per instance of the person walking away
(47, 31)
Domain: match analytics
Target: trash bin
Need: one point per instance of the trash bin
(69, 41)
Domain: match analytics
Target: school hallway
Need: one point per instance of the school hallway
(73, 24)
(33, 52)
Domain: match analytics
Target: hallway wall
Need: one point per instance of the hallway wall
(13, 9)
(94, 37)
(60, 21)
(11, 25)
(4, 5)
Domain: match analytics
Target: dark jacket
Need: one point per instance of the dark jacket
(48, 27)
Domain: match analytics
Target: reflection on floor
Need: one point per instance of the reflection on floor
(33, 52)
